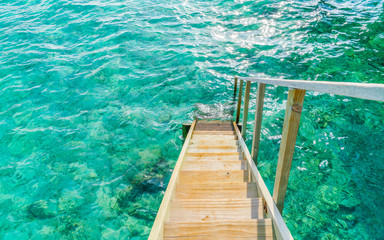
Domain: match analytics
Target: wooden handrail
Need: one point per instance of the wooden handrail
(163, 213)
(370, 91)
(239, 101)
(280, 228)
(295, 100)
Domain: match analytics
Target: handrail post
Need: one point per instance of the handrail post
(245, 112)
(239, 102)
(258, 119)
(234, 91)
(288, 140)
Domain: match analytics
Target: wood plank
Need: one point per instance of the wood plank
(235, 88)
(212, 176)
(213, 149)
(213, 133)
(216, 190)
(216, 209)
(239, 102)
(281, 230)
(258, 120)
(212, 129)
(229, 229)
(218, 147)
(213, 154)
(214, 158)
(370, 91)
(214, 138)
(245, 111)
(214, 165)
(288, 140)
(163, 213)
(194, 142)
(214, 125)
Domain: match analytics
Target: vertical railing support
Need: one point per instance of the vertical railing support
(288, 140)
(239, 102)
(234, 91)
(258, 119)
(245, 111)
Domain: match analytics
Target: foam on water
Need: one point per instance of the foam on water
(93, 94)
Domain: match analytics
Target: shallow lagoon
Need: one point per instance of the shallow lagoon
(94, 94)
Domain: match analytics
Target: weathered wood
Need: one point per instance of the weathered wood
(228, 229)
(163, 213)
(214, 137)
(234, 92)
(213, 189)
(212, 176)
(213, 154)
(370, 91)
(214, 149)
(288, 140)
(258, 119)
(217, 142)
(212, 133)
(221, 158)
(280, 228)
(245, 111)
(238, 110)
(216, 209)
(214, 165)
(216, 190)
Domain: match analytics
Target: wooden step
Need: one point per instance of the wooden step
(213, 148)
(212, 129)
(216, 190)
(215, 165)
(209, 158)
(213, 154)
(197, 145)
(213, 176)
(216, 209)
(213, 133)
(214, 137)
(214, 125)
(220, 229)
(216, 142)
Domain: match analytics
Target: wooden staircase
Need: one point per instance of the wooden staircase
(214, 197)
(216, 190)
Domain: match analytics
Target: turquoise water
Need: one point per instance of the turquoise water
(93, 94)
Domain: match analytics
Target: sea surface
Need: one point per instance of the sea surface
(93, 94)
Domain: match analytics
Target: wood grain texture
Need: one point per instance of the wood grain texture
(281, 230)
(213, 154)
(212, 189)
(212, 176)
(229, 229)
(216, 209)
(245, 110)
(213, 133)
(239, 101)
(214, 158)
(370, 91)
(214, 138)
(216, 190)
(233, 147)
(218, 142)
(214, 165)
(287, 146)
(163, 213)
(258, 120)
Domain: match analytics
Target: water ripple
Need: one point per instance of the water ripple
(93, 94)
